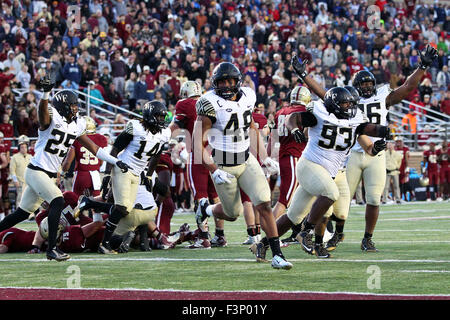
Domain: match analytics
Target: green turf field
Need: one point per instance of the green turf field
(414, 258)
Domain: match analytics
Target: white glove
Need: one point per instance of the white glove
(221, 177)
(184, 155)
(272, 166)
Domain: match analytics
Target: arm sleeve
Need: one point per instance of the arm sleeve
(205, 108)
(123, 140)
(308, 119)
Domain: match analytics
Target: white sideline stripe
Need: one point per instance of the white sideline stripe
(90, 258)
(416, 218)
(426, 271)
(234, 291)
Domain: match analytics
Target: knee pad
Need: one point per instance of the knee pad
(120, 210)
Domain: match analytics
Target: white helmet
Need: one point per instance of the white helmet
(300, 95)
(190, 89)
(424, 181)
(43, 227)
(90, 125)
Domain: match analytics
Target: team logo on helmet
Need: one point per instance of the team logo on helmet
(300, 95)
(66, 103)
(154, 116)
(190, 89)
(340, 102)
(43, 227)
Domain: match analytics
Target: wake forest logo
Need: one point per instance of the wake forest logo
(61, 97)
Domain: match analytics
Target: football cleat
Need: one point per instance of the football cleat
(105, 248)
(259, 250)
(333, 242)
(200, 244)
(127, 239)
(201, 217)
(57, 254)
(218, 242)
(251, 240)
(280, 263)
(288, 241)
(368, 245)
(321, 252)
(306, 242)
(83, 204)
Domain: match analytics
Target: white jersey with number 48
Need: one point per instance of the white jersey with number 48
(231, 120)
(54, 142)
(375, 110)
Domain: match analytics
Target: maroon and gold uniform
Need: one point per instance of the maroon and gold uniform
(17, 240)
(290, 152)
(430, 157)
(87, 176)
(73, 239)
(198, 176)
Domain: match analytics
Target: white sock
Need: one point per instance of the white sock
(209, 210)
(2, 216)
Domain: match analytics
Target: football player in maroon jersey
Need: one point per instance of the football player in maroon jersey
(444, 170)
(87, 174)
(16, 240)
(430, 158)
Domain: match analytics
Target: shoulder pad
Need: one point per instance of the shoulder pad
(204, 107)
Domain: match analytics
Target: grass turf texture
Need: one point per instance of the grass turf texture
(413, 240)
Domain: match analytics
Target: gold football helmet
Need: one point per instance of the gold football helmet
(190, 89)
(90, 125)
(300, 95)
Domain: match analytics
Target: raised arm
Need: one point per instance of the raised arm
(300, 70)
(68, 159)
(369, 147)
(426, 59)
(46, 84)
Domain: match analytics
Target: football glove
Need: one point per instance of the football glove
(104, 188)
(299, 136)
(122, 166)
(272, 166)
(46, 84)
(221, 177)
(148, 183)
(299, 67)
(427, 58)
(378, 146)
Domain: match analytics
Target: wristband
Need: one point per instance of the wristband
(46, 95)
(105, 156)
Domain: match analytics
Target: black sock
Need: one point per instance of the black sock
(367, 235)
(296, 229)
(318, 239)
(111, 224)
(265, 241)
(339, 228)
(251, 232)
(143, 236)
(308, 226)
(14, 218)
(54, 214)
(203, 235)
(274, 244)
(220, 232)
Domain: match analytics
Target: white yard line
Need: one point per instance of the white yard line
(426, 271)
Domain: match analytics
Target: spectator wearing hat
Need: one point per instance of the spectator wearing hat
(18, 164)
(94, 92)
(150, 80)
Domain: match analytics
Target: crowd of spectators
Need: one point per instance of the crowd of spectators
(125, 52)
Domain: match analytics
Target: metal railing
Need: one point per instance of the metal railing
(437, 123)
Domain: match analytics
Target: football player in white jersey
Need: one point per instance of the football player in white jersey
(333, 127)
(138, 145)
(374, 103)
(224, 119)
(59, 127)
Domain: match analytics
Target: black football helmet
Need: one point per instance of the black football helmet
(226, 70)
(66, 103)
(354, 93)
(340, 102)
(154, 116)
(362, 77)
